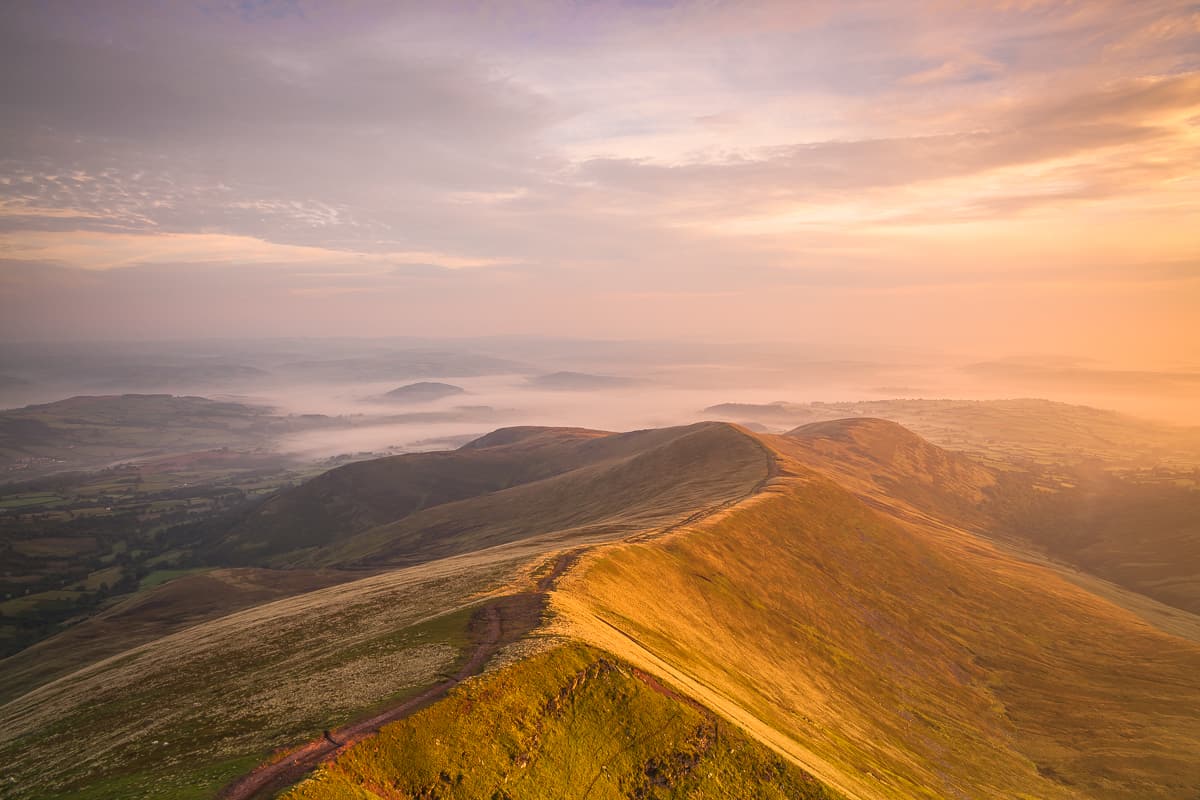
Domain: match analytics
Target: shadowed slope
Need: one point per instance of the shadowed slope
(360, 496)
(1143, 536)
(635, 481)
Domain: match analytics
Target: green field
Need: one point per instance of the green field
(161, 576)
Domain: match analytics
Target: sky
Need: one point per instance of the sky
(988, 177)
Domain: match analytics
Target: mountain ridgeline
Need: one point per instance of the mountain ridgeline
(842, 611)
(508, 485)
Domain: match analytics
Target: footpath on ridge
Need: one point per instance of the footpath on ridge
(496, 623)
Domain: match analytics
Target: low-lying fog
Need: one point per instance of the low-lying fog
(605, 385)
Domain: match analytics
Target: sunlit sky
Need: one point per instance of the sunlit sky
(990, 177)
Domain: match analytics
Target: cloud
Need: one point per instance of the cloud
(102, 251)
(1122, 115)
(1084, 378)
(478, 159)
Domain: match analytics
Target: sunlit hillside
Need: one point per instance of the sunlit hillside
(897, 655)
(838, 620)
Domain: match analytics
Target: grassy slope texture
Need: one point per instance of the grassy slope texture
(570, 723)
(841, 623)
(177, 716)
(504, 487)
(892, 654)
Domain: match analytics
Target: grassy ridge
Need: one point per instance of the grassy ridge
(634, 482)
(155, 719)
(362, 495)
(1004, 432)
(900, 662)
(841, 619)
(570, 723)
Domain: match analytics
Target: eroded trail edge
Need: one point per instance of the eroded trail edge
(498, 622)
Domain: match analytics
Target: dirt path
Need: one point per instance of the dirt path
(499, 622)
(771, 472)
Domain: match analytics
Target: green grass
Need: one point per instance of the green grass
(161, 576)
(146, 722)
(30, 499)
(201, 783)
(566, 724)
(20, 605)
(107, 576)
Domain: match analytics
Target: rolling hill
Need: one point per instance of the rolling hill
(511, 484)
(422, 392)
(88, 432)
(890, 466)
(838, 612)
(1025, 433)
(895, 655)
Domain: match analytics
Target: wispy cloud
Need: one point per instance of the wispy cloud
(559, 154)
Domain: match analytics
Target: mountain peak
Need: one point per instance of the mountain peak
(523, 433)
(883, 457)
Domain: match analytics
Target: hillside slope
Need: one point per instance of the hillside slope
(180, 715)
(362, 495)
(1144, 537)
(820, 595)
(512, 484)
(640, 481)
(153, 614)
(890, 466)
(898, 658)
(570, 723)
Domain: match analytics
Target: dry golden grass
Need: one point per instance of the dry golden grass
(899, 660)
(840, 616)
(148, 721)
(567, 724)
